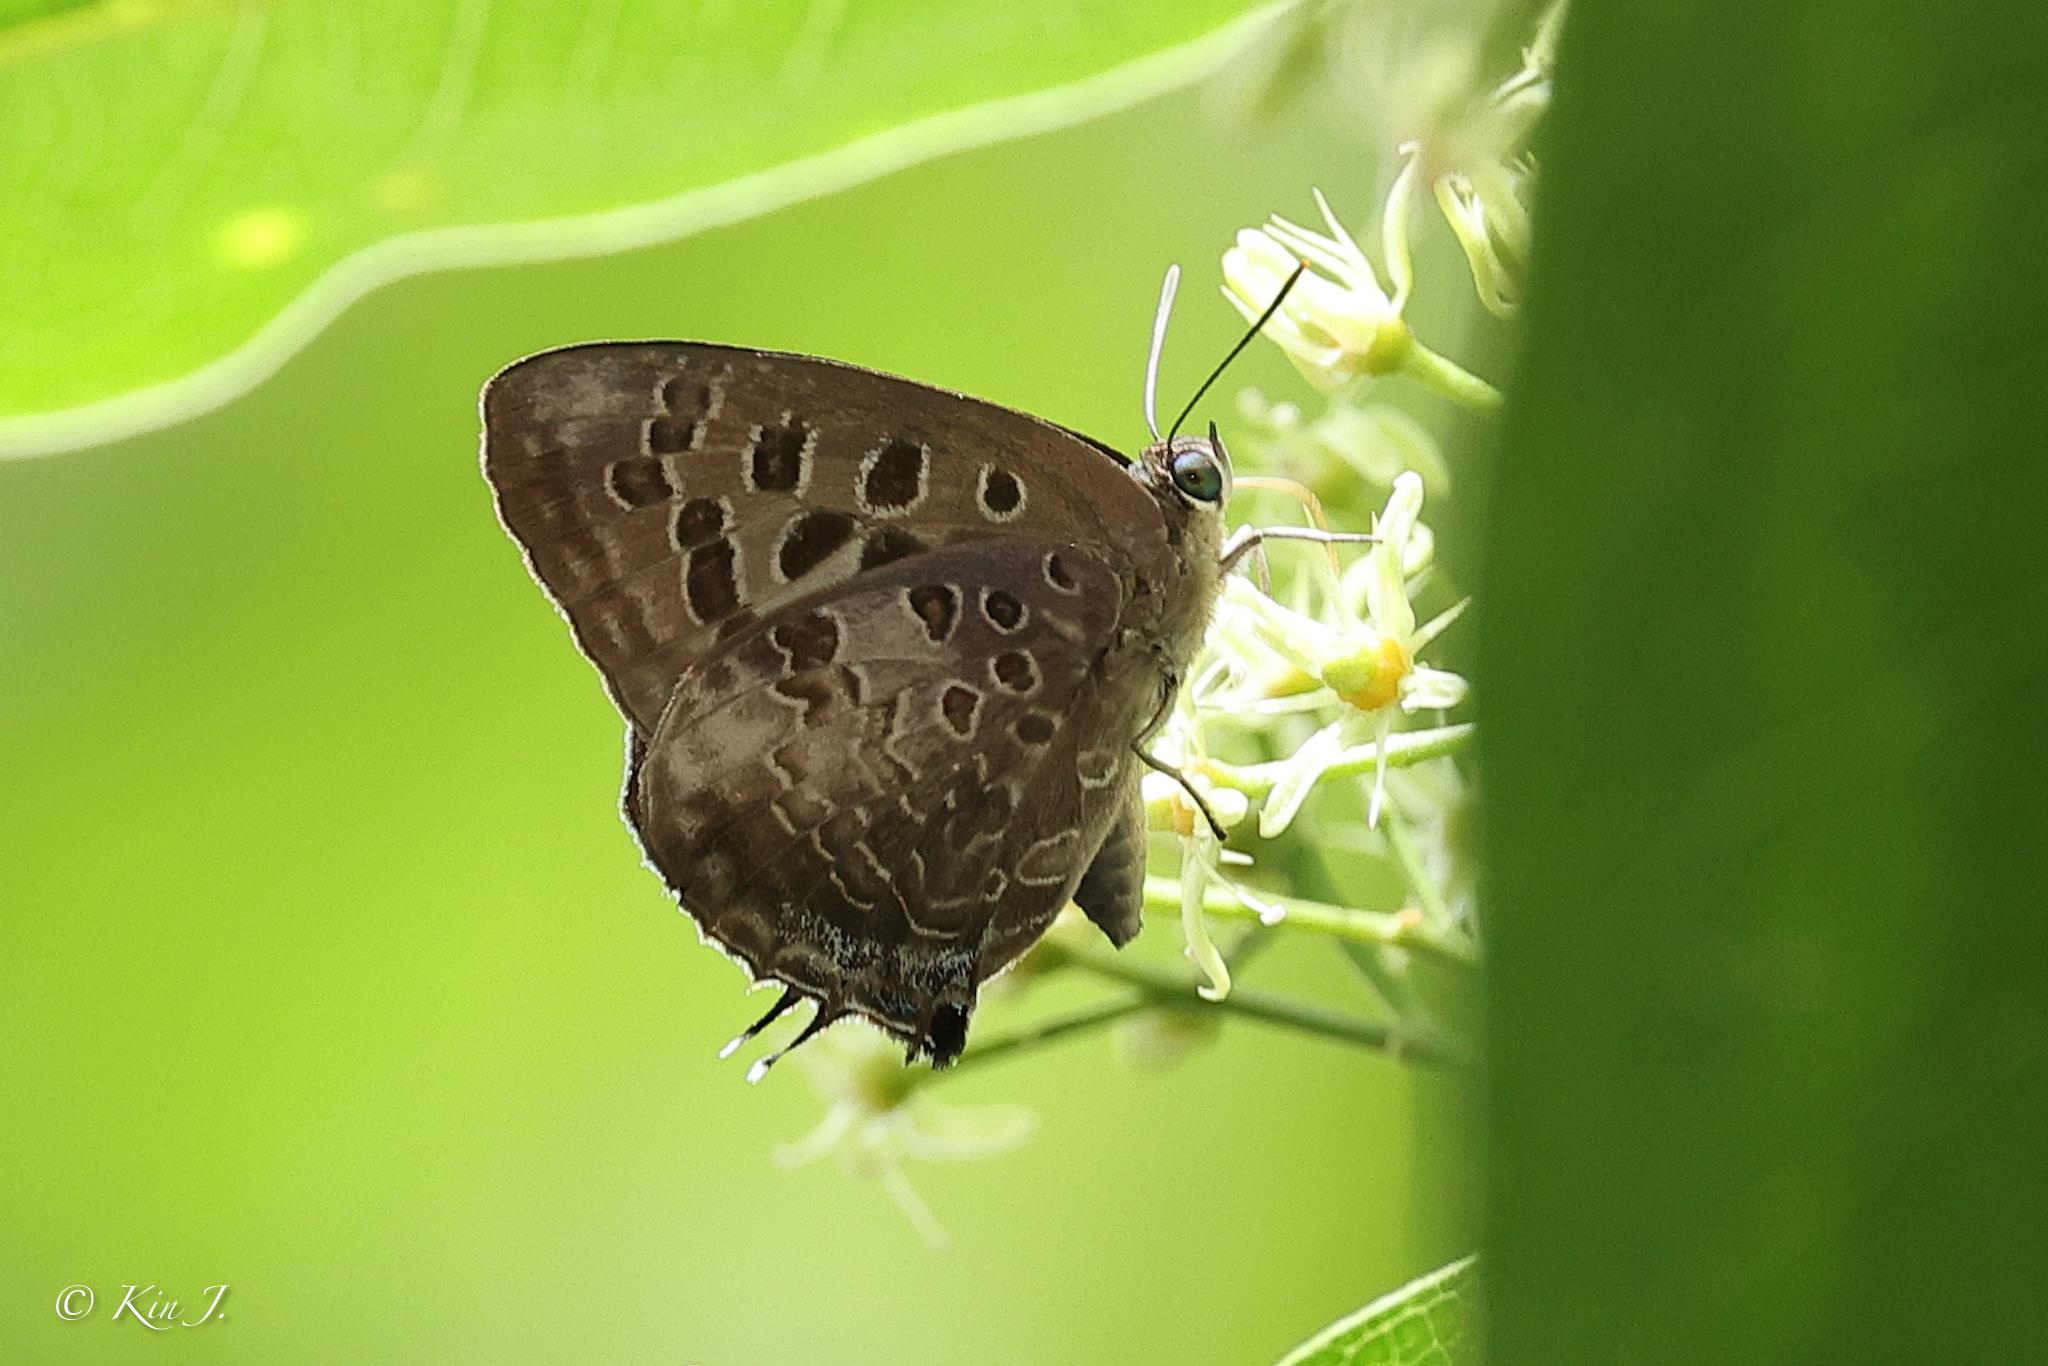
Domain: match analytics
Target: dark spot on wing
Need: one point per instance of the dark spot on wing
(1035, 728)
(697, 522)
(778, 458)
(709, 583)
(670, 435)
(1014, 671)
(958, 705)
(938, 606)
(811, 641)
(809, 540)
(894, 476)
(1003, 610)
(639, 482)
(1059, 576)
(887, 546)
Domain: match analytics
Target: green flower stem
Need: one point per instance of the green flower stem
(1389, 986)
(1255, 940)
(1427, 893)
(1403, 748)
(1047, 1031)
(1449, 378)
(1170, 989)
(1381, 929)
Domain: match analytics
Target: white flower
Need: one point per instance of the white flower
(1338, 323)
(877, 1115)
(1368, 662)
(1486, 212)
(1201, 858)
(1483, 176)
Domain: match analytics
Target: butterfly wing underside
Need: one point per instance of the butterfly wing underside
(669, 495)
(1112, 890)
(882, 797)
(858, 627)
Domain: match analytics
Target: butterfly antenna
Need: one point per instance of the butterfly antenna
(1166, 293)
(1242, 343)
(739, 1040)
(818, 1022)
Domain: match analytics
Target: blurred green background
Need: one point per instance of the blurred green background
(327, 970)
(331, 973)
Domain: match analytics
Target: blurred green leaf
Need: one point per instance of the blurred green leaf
(190, 190)
(327, 966)
(1763, 664)
(1431, 1321)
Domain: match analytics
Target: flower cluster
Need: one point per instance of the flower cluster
(1350, 651)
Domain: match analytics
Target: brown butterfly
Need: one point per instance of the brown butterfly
(887, 654)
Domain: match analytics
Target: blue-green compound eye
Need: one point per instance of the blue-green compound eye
(1197, 474)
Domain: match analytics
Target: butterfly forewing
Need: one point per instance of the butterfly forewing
(670, 494)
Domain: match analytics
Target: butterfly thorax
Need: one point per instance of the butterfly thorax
(1173, 615)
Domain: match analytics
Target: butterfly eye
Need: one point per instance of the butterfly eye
(1197, 474)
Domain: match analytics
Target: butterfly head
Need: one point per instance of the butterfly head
(1193, 471)
(1196, 469)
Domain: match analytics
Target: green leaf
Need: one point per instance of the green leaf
(191, 190)
(1764, 663)
(1431, 1321)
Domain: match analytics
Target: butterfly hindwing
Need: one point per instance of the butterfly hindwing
(1112, 891)
(881, 795)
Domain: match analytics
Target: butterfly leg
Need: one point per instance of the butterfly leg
(1244, 539)
(1201, 805)
(1169, 685)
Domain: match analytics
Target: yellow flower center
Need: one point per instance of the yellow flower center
(1371, 678)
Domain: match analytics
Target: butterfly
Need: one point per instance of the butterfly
(887, 655)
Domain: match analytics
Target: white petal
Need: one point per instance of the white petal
(820, 1140)
(1497, 287)
(1386, 592)
(1420, 552)
(913, 1206)
(1270, 912)
(1320, 252)
(1351, 319)
(1301, 640)
(1432, 690)
(1194, 927)
(936, 1132)
(1261, 260)
(1434, 627)
(1337, 230)
(1404, 505)
(1299, 778)
(1394, 228)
